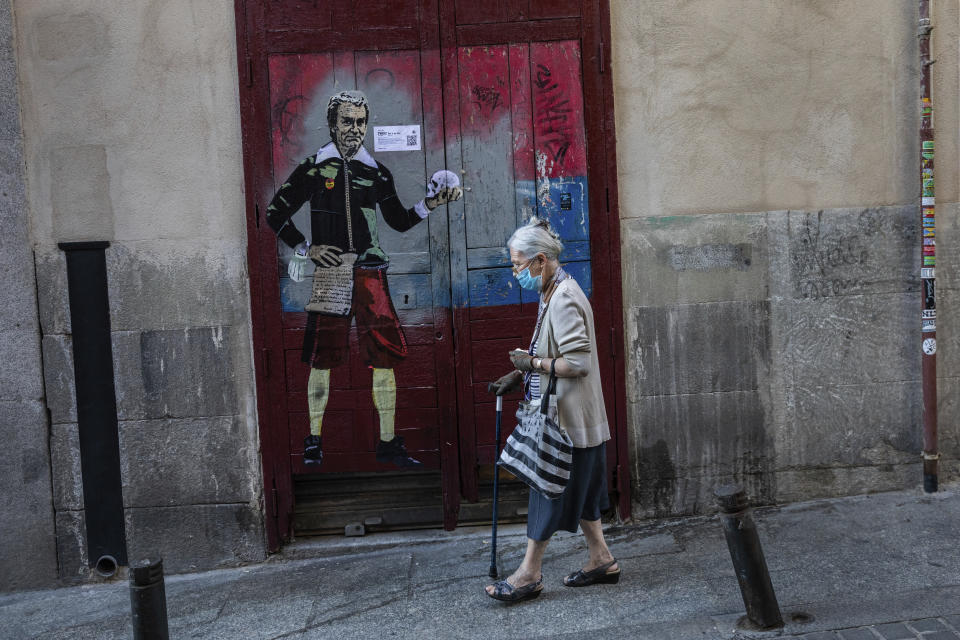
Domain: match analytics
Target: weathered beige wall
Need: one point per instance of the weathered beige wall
(131, 120)
(945, 43)
(751, 105)
(132, 134)
(768, 166)
(28, 555)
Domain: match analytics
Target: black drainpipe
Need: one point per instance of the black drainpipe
(96, 405)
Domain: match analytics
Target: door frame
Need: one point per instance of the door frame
(438, 29)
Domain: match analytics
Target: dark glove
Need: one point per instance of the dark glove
(509, 383)
(521, 360)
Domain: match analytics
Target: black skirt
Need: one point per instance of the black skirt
(584, 497)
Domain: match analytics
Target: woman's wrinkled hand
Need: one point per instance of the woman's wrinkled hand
(521, 360)
(509, 383)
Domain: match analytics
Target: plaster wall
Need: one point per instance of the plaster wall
(132, 135)
(768, 158)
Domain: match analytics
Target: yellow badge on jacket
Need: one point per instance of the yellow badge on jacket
(329, 183)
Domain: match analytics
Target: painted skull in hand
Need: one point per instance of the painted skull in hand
(440, 180)
(444, 187)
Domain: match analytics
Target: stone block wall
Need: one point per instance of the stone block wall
(780, 349)
(28, 553)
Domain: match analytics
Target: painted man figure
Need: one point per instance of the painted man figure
(344, 185)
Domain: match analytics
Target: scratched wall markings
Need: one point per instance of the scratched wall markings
(845, 252)
(828, 265)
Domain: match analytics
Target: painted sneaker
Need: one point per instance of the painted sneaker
(393, 452)
(312, 453)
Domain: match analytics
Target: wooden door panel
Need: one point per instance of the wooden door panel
(487, 145)
(546, 9)
(500, 327)
(473, 12)
(299, 14)
(500, 11)
(544, 165)
(342, 16)
(560, 138)
(521, 116)
(377, 15)
(486, 417)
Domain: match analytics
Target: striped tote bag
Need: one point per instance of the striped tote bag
(539, 451)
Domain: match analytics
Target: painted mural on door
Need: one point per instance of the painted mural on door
(515, 100)
(343, 226)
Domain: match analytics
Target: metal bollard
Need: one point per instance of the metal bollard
(748, 562)
(148, 601)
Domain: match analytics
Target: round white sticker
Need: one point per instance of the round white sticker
(930, 346)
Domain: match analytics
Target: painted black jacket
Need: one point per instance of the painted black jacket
(321, 180)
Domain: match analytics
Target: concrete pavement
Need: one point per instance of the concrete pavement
(878, 567)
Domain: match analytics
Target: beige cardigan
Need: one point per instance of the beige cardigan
(567, 330)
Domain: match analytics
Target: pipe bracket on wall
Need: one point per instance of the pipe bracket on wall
(97, 422)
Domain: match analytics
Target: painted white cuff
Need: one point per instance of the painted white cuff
(421, 209)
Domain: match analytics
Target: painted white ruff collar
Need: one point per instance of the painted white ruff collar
(330, 150)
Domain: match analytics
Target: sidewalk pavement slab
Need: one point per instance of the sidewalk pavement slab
(875, 567)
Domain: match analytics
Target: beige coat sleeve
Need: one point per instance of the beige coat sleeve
(570, 332)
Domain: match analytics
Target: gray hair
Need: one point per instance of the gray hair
(537, 236)
(355, 98)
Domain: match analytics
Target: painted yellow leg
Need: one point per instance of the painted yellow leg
(318, 390)
(385, 400)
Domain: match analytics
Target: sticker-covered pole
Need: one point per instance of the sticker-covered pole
(931, 456)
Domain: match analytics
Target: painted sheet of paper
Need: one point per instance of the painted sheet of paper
(401, 138)
(333, 288)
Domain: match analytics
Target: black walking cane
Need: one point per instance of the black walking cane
(496, 489)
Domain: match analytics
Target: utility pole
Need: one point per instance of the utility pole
(931, 456)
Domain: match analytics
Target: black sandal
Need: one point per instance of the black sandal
(506, 592)
(600, 575)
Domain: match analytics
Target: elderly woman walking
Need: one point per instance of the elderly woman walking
(565, 340)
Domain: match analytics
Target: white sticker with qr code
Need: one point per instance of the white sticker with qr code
(402, 138)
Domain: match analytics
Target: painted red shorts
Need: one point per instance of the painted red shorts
(326, 343)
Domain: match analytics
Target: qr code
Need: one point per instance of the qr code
(411, 139)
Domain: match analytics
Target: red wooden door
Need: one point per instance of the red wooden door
(496, 94)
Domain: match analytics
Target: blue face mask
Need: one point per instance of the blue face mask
(527, 281)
